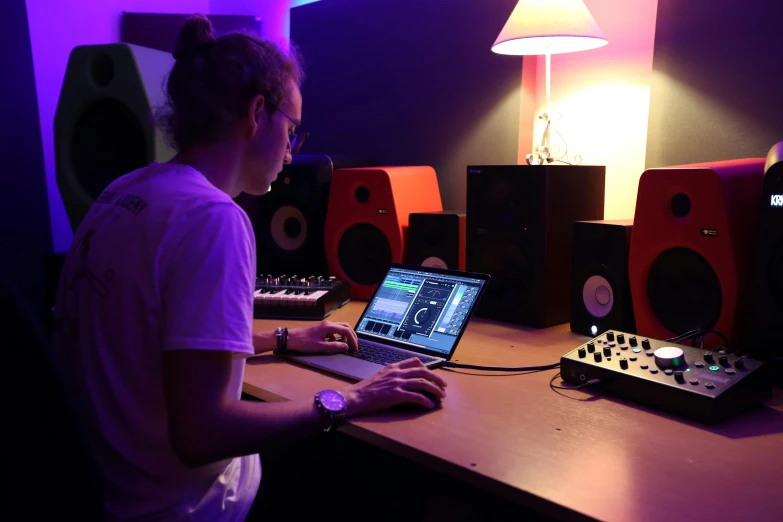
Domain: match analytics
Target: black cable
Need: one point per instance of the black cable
(449, 364)
(491, 374)
(682, 336)
(697, 333)
(577, 387)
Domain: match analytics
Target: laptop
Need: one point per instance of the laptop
(416, 311)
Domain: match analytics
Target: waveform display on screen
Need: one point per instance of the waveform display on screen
(389, 309)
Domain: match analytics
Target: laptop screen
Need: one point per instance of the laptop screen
(422, 309)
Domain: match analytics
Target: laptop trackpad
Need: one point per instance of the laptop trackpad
(342, 364)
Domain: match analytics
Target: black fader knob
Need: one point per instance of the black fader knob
(623, 363)
(610, 336)
(708, 356)
(590, 347)
(597, 356)
(723, 360)
(646, 344)
(607, 351)
(620, 339)
(739, 363)
(678, 375)
(582, 353)
(632, 341)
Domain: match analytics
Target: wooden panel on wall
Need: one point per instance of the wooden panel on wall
(410, 82)
(716, 81)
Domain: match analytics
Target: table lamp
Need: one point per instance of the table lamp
(548, 27)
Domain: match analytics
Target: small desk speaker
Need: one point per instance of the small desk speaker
(436, 239)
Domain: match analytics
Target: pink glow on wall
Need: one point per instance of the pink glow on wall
(604, 97)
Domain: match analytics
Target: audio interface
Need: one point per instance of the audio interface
(707, 386)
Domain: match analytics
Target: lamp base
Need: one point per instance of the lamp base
(543, 152)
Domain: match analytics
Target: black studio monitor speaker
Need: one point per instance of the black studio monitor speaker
(104, 126)
(436, 239)
(767, 291)
(519, 230)
(289, 220)
(600, 288)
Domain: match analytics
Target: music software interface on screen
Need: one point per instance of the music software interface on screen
(420, 308)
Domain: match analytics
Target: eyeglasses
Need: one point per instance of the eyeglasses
(295, 138)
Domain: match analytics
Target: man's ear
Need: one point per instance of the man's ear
(256, 110)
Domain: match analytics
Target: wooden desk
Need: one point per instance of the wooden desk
(567, 454)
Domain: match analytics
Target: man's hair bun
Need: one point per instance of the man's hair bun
(195, 36)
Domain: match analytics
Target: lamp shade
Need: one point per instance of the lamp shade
(549, 27)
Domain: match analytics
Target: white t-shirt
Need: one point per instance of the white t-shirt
(162, 261)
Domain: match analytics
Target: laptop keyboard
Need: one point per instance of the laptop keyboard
(384, 356)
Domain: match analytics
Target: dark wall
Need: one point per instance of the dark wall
(48, 480)
(410, 82)
(24, 210)
(716, 81)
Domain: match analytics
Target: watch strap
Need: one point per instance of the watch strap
(282, 340)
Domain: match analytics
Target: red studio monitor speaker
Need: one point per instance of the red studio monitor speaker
(600, 289)
(367, 221)
(436, 239)
(768, 271)
(104, 125)
(692, 248)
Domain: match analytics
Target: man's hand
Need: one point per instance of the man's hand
(395, 384)
(324, 337)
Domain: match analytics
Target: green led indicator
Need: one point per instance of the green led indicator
(714, 368)
(687, 370)
(637, 350)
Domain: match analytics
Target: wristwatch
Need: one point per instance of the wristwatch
(282, 340)
(331, 403)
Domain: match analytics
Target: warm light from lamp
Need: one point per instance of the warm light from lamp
(549, 27)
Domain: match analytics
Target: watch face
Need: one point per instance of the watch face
(332, 401)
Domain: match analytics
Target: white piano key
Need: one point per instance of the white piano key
(310, 300)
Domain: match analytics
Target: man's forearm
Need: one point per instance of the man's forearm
(249, 427)
(264, 342)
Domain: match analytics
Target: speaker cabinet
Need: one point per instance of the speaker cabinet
(691, 248)
(291, 218)
(367, 222)
(600, 289)
(436, 239)
(520, 222)
(768, 270)
(104, 125)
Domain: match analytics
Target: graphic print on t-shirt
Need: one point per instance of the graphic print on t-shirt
(80, 279)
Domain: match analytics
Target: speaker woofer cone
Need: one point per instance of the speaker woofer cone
(108, 142)
(364, 254)
(684, 291)
(434, 262)
(598, 296)
(288, 228)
